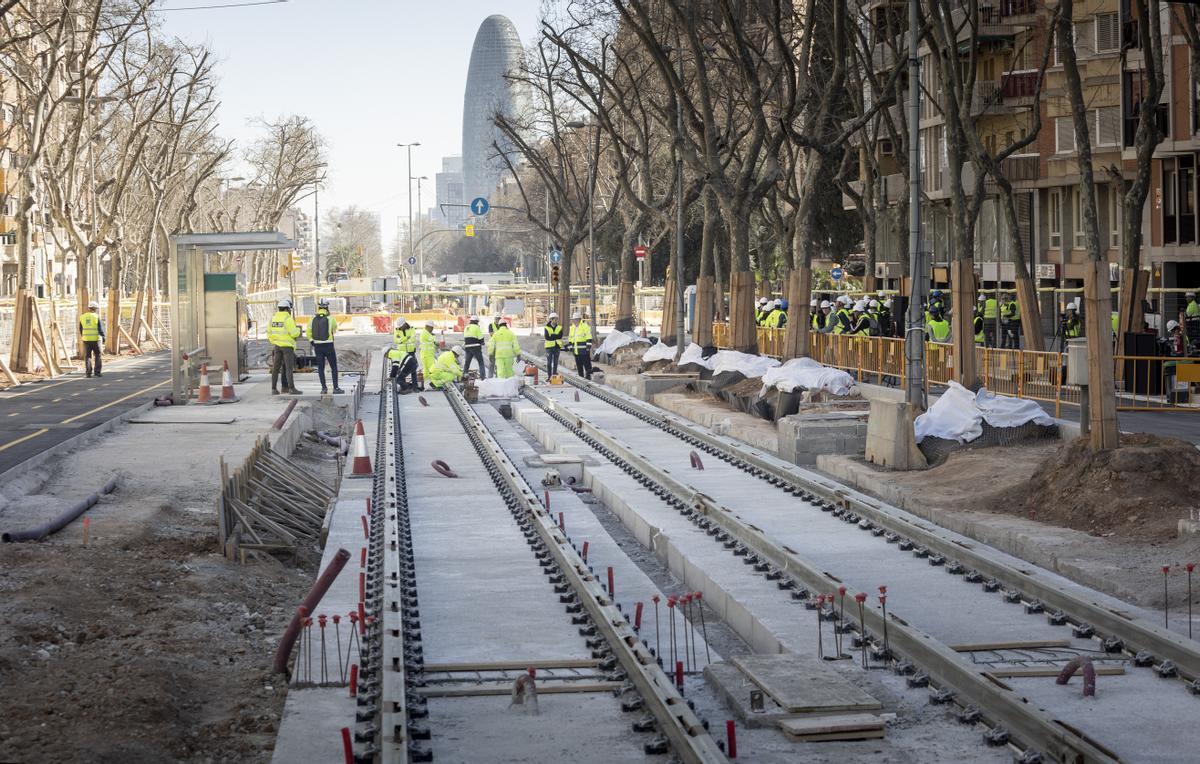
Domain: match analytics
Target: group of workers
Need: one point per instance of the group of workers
(412, 350)
(579, 342)
(282, 333)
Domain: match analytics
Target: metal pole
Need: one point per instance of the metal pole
(420, 222)
(316, 237)
(592, 231)
(677, 267)
(410, 226)
(914, 337)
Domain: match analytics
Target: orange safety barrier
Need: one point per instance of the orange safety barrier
(1144, 382)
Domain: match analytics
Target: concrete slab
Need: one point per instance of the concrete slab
(312, 722)
(800, 684)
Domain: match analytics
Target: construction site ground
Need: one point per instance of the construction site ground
(146, 644)
(973, 493)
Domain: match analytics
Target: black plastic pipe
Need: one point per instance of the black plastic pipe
(63, 520)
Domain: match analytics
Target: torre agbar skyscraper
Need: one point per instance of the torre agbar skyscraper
(497, 51)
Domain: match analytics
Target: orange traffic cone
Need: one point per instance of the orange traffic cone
(205, 393)
(362, 460)
(227, 394)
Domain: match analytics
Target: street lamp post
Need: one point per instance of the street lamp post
(420, 219)
(316, 236)
(409, 146)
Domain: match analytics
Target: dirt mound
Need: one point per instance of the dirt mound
(1137, 491)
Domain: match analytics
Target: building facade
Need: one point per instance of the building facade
(1010, 44)
(449, 193)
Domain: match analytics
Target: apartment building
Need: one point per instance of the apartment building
(1011, 41)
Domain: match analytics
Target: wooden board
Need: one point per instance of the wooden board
(840, 727)
(552, 663)
(800, 684)
(978, 647)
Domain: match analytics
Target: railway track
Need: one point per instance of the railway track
(945, 593)
(478, 603)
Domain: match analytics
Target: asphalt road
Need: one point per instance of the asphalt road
(38, 416)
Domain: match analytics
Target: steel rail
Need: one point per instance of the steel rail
(1111, 618)
(999, 704)
(393, 710)
(689, 739)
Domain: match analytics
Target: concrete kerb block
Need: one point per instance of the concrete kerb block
(891, 441)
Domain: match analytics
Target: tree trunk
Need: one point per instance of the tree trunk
(624, 321)
(1135, 282)
(112, 341)
(798, 291)
(624, 318)
(742, 334)
(705, 294)
(962, 328)
(1027, 301)
(667, 335)
(1097, 312)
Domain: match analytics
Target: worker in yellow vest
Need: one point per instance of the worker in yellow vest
(427, 348)
(282, 333)
(552, 333)
(473, 340)
(991, 312)
(579, 342)
(937, 328)
(404, 344)
(91, 331)
(504, 348)
(445, 370)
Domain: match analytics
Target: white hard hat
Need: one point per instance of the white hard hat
(860, 306)
(401, 320)
(576, 315)
(888, 303)
(473, 319)
(457, 350)
(777, 303)
(501, 321)
(845, 299)
(94, 304)
(1172, 326)
(552, 315)
(812, 303)
(1071, 306)
(284, 304)
(874, 303)
(1189, 294)
(825, 304)
(429, 322)
(762, 300)
(981, 297)
(881, 293)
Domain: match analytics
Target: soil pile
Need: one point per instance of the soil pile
(1138, 491)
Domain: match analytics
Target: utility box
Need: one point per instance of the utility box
(226, 324)
(1077, 361)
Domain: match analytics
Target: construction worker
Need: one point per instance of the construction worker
(579, 340)
(1192, 311)
(860, 324)
(842, 322)
(320, 333)
(404, 345)
(493, 325)
(825, 321)
(991, 312)
(886, 325)
(445, 369)
(282, 333)
(91, 331)
(473, 339)
(937, 328)
(873, 317)
(1010, 322)
(427, 347)
(814, 310)
(552, 332)
(1072, 327)
(936, 302)
(761, 310)
(504, 347)
(775, 316)
(980, 337)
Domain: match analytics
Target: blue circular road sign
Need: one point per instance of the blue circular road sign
(480, 206)
(412, 261)
(837, 273)
(556, 256)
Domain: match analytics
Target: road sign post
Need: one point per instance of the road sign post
(640, 252)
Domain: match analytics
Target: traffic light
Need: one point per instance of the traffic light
(554, 274)
(294, 261)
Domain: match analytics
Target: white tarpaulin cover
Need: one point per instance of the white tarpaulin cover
(659, 352)
(494, 387)
(751, 366)
(810, 375)
(619, 340)
(959, 414)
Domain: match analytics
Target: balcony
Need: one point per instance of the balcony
(984, 96)
(1019, 86)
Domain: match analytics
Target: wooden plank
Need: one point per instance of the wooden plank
(1025, 673)
(12, 378)
(506, 689)
(445, 668)
(40, 337)
(800, 684)
(978, 647)
(838, 727)
(133, 346)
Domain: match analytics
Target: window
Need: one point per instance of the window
(1114, 216)
(1064, 135)
(1187, 199)
(1056, 218)
(1077, 218)
(1168, 202)
(1107, 131)
(1085, 40)
(1108, 33)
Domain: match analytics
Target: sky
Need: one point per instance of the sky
(368, 73)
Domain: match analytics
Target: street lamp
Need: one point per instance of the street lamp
(591, 219)
(420, 217)
(409, 146)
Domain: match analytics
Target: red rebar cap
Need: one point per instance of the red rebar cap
(883, 590)
(860, 597)
(1166, 569)
(1191, 566)
(655, 599)
(842, 590)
